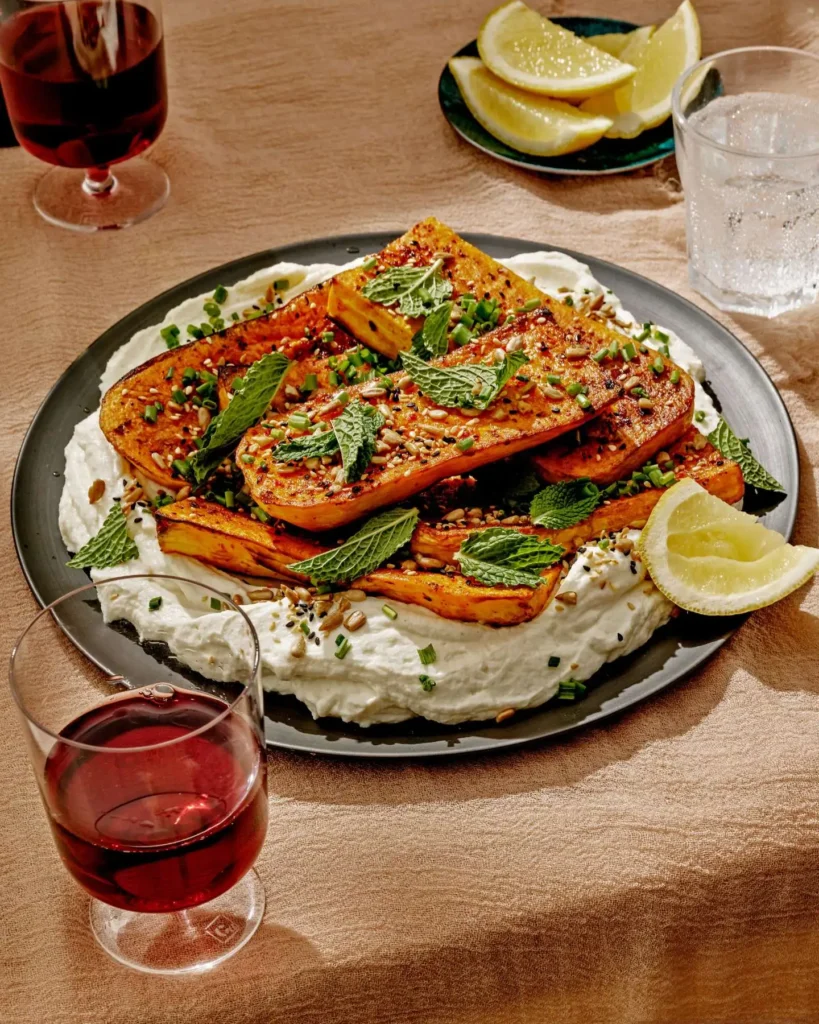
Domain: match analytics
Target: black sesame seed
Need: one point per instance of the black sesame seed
(317, 641)
(138, 519)
(620, 637)
(290, 624)
(633, 567)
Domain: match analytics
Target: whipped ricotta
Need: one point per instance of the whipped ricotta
(480, 670)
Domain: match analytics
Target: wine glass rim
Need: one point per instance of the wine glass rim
(48, 610)
(683, 122)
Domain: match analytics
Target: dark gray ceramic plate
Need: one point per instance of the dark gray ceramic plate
(751, 404)
(608, 156)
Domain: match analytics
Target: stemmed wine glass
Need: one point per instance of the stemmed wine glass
(84, 83)
(155, 791)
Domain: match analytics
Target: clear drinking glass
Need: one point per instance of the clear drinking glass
(84, 83)
(156, 792)
(746, 124)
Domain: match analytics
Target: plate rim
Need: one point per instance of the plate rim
(489, 744)
(523, 163)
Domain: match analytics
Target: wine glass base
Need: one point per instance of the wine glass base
(140, 189)
(186, 942)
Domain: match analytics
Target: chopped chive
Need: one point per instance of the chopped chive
(461, 335)
(667, 479)
(212, 308)
(340, 639)
(465, 444)
(343, 648)
(568, 301)
(334, 378)
(628, 351)
(299, 421)
(229, 499)
(658, 365)
(645, 333)
(169, 373)
(235, 317)
(310, 382)
(369, 263)
(304, 626)
(554, 661)
(343, 397)
(675, 377)
(583, 402)
(260, 514)
(603, 543)
(170, 335)
(194, 331)
(182, 466)
(189, 375)
(220, 294)
(281, 284)
(639, 392)
(553, 378)
(614, 348)
(601, 354)
(389, 611)
(179, 396)
(150, 413)
(510, 318)
(571, 689)
(216, 604)
(699, 415)
(428, 655)
(660, 335)
(574, 388)
(276, 433)
(248, 460)
(328, 337)
(155, 603)
(427, 683)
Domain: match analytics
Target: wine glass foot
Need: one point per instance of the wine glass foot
(186, 942)
(140, 189)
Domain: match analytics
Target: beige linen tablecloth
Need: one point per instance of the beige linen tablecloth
(662, 868)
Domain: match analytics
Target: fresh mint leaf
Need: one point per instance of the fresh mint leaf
(416, 290)
(377, 539)
(310, 446)
(508, 558)
(355, 431)
(262, 380)
(732, 447)
(519, 493)
(434, 337)
(564, 504)
(111, 546)
(464, 385)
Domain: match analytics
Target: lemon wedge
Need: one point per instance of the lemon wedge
(529, 51)
(614, 43)
(709, 557)
(645, 100)
(529, 123)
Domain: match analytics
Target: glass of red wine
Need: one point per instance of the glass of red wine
(156, 791)
(84, 83)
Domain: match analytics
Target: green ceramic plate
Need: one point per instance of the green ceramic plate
(608, 156)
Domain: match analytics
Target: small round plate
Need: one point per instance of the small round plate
(608, 156)
(672, 652)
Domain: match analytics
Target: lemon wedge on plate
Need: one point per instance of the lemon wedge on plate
(709, 557)
(529, 123)
(614, 43)
(645, 100)
(529, 51)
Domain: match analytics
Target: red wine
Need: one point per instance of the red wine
(84, 81)
(165, 827)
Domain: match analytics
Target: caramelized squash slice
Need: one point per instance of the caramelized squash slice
(528, 412)
(625, 436)
(301, 329)
(693, 457)
(234, 542)
(466, 268)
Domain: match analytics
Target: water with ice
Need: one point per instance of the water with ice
(753, 207)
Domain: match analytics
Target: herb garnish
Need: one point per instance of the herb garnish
(455, 386)
(353, 433)
(428, 684)
(564, 504)
(505, 557)
(571, 689)
(111, 545)
(432, 339)
(416, 290)
(262, 381)
(372, 545)
(428, 655)
(732, 447)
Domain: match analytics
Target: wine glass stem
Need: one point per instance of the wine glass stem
(99, 181)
